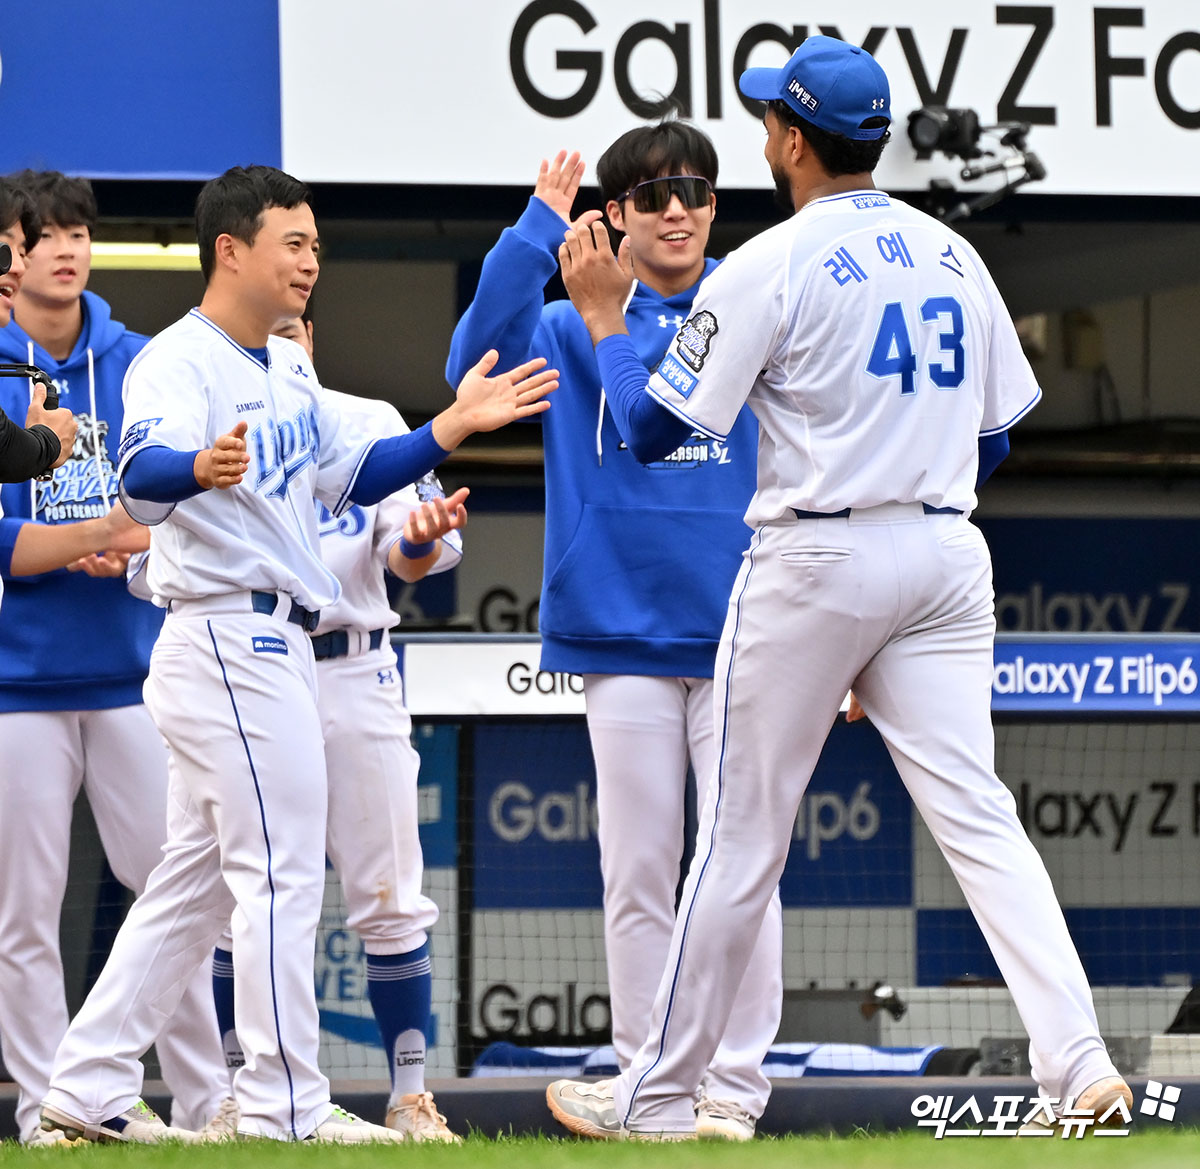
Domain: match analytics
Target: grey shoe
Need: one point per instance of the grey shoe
(587, 1110)
(138, 1125)
(724, 1120)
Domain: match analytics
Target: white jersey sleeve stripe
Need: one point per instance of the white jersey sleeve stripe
(1015, 418)
(700, 427)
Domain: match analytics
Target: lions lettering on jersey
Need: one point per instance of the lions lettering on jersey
(282, 450)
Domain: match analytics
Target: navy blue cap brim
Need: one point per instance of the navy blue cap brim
(761, 84)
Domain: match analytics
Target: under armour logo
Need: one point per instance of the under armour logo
(665, 322)
(385, 676)
(877, 103)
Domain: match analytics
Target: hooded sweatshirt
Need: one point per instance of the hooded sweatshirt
(69, 641)
(639, 560)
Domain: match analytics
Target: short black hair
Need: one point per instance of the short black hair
(17, 206)
(233, 204)
(839, 155)
(669, 147)
(61, 199)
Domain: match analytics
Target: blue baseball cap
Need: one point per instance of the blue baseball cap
(830, 83)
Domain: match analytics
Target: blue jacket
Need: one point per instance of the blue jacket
(639, 561)
(69, 641)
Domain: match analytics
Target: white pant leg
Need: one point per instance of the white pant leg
(642, 730)
(372, 836)
(793, 642)
(244, 733)
(125, 764)
(638, 730)
(165, 939)
(41, 769)
(735, 1072)
(929, 695)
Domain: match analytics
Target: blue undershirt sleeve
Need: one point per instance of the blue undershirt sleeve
(158, 474)
(993, 450)
(649, 429)
(393, 463)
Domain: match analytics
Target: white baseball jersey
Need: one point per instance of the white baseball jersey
(892, 420)
(299, 448)
(364, 602)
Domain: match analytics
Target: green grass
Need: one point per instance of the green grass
(1160, 1149)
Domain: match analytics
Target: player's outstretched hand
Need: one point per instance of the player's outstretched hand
(558, 182)
(488, 403)
(103, 564)
(435, 517)
(122, 533)
(597, 281)
(225, 462)
(61, 421)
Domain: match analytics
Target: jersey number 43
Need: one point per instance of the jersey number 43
(892, 354)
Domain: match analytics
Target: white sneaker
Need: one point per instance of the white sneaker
(588, 1110)
(344, 1128)
(417, 1119)
(139, 1125)
(724, 1120)
(222, 1126)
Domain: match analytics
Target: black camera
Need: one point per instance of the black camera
(5, 258)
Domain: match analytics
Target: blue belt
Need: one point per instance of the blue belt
(336, 643)
(266, 604)
(928, 508)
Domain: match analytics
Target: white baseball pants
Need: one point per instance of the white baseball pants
(118, 756)
(897, 605)
(643, 730)
(234, 694)
(372, 765)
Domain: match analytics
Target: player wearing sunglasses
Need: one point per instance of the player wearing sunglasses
(639, 563)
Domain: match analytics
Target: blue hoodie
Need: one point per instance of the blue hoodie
(639, 561)
(69, 641)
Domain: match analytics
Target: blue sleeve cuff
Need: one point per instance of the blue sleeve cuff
(542, 226)
(649, 429)
(158, 474)
(393, 463)
(993, 450)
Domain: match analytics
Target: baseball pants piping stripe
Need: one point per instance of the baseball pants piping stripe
(719, 779)
(270, 878)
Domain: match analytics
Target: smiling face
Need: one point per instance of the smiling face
(14, 236)
(59, 267)
(277, 271)
(667, 246)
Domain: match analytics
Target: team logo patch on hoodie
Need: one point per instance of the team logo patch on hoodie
(86, 484)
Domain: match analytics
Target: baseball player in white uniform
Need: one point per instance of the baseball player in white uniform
(215, 402)
(874, 348)
(372, 767)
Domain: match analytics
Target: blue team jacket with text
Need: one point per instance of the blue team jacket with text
(69, 641)
(639, 560)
